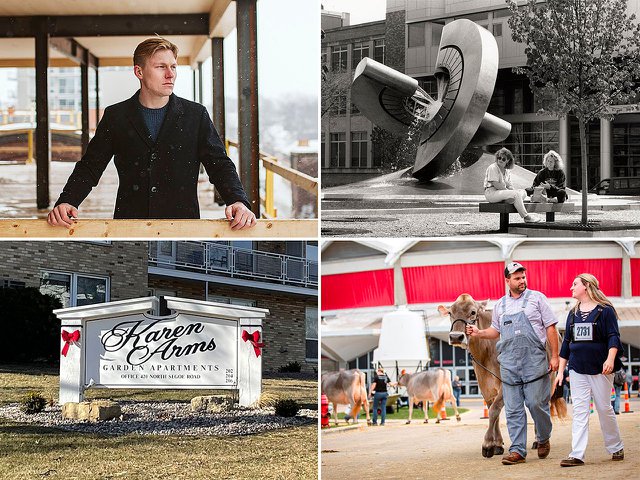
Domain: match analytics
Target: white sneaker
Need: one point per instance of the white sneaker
(530, 219)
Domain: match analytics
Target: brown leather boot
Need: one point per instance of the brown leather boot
(571, 462)
(544, 449)
(513, 458)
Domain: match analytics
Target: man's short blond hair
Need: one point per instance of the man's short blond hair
(150, 46)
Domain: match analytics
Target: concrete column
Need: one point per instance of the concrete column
(606, 149)
(399, 292)
(249, 372)
(195, 85)
(42, 133)
(217, 70)
(200, 93)
(248, 128)
(84, 100)
(564, 146)
(71, 365)
(626, 274)
(96, 69)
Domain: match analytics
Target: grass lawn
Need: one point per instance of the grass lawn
(418, 414)
(28, 451)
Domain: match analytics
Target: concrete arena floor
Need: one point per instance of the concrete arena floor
(452, 450)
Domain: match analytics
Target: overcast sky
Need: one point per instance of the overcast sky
(361, 11)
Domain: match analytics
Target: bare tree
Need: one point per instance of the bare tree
(582, 57)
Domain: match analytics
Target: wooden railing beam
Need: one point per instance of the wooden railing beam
(151, 229)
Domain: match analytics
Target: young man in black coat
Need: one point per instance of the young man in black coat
(158, 141)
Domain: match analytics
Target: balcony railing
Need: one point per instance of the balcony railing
(212, 258)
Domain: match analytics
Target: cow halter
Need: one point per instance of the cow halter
(466, 322)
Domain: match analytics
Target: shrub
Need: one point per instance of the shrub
(287, 408)
(291, 367)
(28, 310)
(33, 403)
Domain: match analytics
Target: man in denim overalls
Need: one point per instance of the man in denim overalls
(524, 321)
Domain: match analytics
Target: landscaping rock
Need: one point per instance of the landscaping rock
(209, 403)
(94, 411)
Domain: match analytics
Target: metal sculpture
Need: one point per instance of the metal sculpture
(466, 71)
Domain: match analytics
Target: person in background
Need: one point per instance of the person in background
(379, 387)
(457, 389)
(618, 382)
(566, 388)
(590, 348)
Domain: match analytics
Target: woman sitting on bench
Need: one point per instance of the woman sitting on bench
(498, 187)
(551, 178)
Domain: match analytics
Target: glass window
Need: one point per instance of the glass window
(311, 326)
(243, 302)
(57, 285)
(359, 149)
(497, 29)
(339, 58)
(360, 50)
(475, 17)
(436, 34)
(434, 351)
(91, 290)
(379, 50)
(416, 34)
(505, 12)
(74, 289)
(338, 150)
(447, 354)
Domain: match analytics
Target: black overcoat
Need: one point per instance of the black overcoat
(156, 180)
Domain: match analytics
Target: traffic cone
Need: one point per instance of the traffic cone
(625, 392)
(443, 413)
(485, 412)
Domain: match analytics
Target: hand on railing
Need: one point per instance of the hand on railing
(240, 216)
(62, 215)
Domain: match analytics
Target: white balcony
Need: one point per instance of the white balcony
(226, 260)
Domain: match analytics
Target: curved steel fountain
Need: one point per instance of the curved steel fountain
(454, 121)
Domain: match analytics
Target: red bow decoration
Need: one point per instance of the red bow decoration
(69, 338)
(254, 339)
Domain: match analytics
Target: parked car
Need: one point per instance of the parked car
(618, 186)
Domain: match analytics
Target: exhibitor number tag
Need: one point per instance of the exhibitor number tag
(583, 332)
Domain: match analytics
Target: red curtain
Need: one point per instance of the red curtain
(635, 277)
(444, 283)
(555, 277)
(360, 289)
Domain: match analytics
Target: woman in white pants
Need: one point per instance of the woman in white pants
(498, 187)
(591, 345)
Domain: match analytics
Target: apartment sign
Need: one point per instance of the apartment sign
(181, 351)
(161, 342)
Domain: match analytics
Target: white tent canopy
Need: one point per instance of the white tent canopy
(402, 343)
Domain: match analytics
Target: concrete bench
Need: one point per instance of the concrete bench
(504, 209)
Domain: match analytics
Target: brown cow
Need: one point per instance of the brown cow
(484, 352)
(346, 387)
(429, 385)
